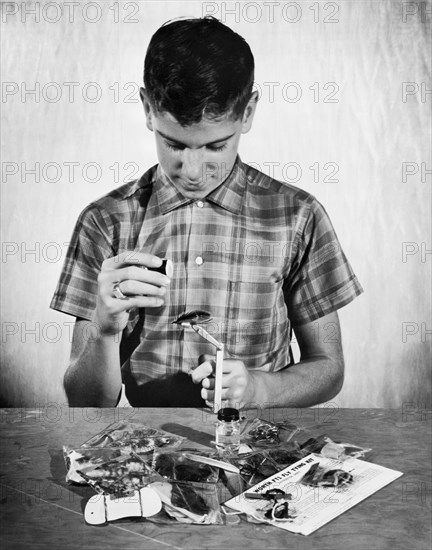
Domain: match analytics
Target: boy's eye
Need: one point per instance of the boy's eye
(176, 147)
(217, 148)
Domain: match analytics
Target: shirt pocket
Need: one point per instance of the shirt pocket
(252, 329)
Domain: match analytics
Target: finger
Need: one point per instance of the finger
(228, 394)
(165, 268)
(155, 296)
(202, 371)
(139, 302)
(208, 383)
(230, 366)
(209, 399)
(225, 403)
(136, 288)
(134, 273)
(207, 395)
(131, 257)
(114, 305)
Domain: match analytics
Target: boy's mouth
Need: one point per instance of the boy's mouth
(191, 184)
(196, 182)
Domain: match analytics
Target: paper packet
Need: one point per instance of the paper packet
(188, 502)
(176, 466)
(325, 446)
(120, 475)
(133, 437)
(84, 458)
(254, 467)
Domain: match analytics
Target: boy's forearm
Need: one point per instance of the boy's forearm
(93, 379)
(309, 382)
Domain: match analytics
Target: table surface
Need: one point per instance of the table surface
(40, 510)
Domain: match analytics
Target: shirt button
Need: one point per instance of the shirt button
(200, 204)
(199, 260)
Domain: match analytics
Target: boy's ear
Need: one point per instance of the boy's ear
(147, 108)
(249, 112)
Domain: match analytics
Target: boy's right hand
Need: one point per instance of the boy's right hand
(141, 287)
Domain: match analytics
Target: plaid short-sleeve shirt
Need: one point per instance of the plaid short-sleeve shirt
(260, 255)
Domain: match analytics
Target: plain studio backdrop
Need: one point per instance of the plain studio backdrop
(344, 113)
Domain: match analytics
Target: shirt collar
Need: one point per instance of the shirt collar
(168, 197)
(228, 195)
(144, 183)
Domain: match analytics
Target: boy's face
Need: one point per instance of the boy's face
(197, 158)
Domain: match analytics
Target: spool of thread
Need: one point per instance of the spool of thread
(166, 268)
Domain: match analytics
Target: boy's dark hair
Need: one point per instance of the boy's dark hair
(197, 68)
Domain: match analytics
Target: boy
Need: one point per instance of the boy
(205, 210)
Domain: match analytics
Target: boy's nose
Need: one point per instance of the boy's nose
(192, 165)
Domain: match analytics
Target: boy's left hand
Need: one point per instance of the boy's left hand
(236, 381)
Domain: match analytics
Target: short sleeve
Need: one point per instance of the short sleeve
(90, 245)
(322, 280)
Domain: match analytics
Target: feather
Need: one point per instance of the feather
(194, 317)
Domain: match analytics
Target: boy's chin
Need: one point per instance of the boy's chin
(195, 194)
(195, 190)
